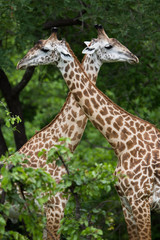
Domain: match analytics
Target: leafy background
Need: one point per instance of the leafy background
(135, 88)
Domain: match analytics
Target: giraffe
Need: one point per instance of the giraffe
(135, 141)
(70, 122)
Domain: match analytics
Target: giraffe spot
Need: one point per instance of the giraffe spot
(141, 153)
(88, 110)
(100, 100)
(63, 205)
(133, 130)
(153, 132)
(137, 169)
(111, 111)
(147, 159)
(78, 95)
(125, 165)
(81, 113)
(116, 113)
(79, 136)
(134, 162)
(96, 105)
(137, 176)
(141, 143)
(141, 129)
(85, 92)
(77, 76)
(155, 154)
(124, 134)
(134, 152)
(153, 137)
(139, 135)
(127, 118)
(72, 87)
(130, 144)
(65, 76)
(126, 182)
(33, 148)
(72, 65)
(56, 221)
(57, 201)
(148, 128)
(87, 103)
(100, 120)
(84, 80)
(75, 136)
(84, 122)
(137, 126)
(119, 121)
(41, 145)
(109, 119)
(116, 126)
(74, 114)
(113, 134)
(150, 172)
(158, 144)
(104, 111)
(127, 125)
(130, 192)
(125, 156)
(67, 68)
(30, 153)
(98, 126)
(81, 86)
(65, 127)
(91, 91)
(131, 123)
(34, 165)
(77, 85)
(120, 146)
(91, 68)
(146, 136)
(71, 130)
(143, 178)
(79, 70)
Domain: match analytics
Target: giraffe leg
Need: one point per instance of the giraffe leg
(141, 214)
(54, 210)
(129, 219)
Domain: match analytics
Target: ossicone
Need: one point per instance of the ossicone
(98, 26)
(54, 30)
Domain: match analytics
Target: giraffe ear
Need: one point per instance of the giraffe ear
(89, 50)
(87, 43)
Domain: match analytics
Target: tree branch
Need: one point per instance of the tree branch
(26, 78)
(64, 22)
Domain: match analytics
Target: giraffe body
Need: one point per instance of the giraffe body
(135, 141)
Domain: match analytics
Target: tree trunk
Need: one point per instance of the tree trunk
(3, 146)
(11, 96)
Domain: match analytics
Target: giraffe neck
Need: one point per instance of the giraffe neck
(118, 126)
(91, 65)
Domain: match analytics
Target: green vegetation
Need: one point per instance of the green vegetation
(37, 95)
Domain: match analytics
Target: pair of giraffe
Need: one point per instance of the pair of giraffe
(135, 141)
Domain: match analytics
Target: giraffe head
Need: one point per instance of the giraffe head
(108, 49)
(49, 51)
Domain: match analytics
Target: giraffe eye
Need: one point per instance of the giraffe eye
(108, 47)
(44, 50)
